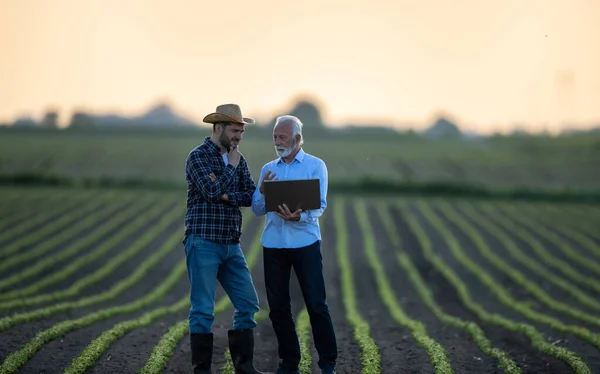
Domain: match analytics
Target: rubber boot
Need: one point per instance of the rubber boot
(202, 350)
(241, 347)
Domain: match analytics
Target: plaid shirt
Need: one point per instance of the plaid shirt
(207, 215)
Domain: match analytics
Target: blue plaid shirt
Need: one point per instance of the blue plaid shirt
(207, 215)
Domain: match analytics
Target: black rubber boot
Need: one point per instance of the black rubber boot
(241, 347)
(202, 350)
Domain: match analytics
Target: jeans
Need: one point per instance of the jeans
(308, 266)
(208, 262)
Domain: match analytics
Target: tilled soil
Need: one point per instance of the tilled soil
(399, 351)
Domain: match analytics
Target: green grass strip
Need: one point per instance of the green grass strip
(537, 339)
(17, 359)
(531, 264)
(545, 256)
(303, 331)
(45, 214)
(12, 196)
(501, 293)
(25, 199)
(576, 218)
(582, 240)
(102, 272)
(71, 226)
(228, 367)
(518, 277)
(117, 289)
(57, 225)
(585, 211)
(505, 362)
(116, 222)
(438, 356)
(21, 208)
(370, 358)
(164, 349)
(98, 346)
(557, 240)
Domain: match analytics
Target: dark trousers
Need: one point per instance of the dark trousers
(308, 266)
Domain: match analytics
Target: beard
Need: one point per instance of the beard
(285, 151)
(227, 142)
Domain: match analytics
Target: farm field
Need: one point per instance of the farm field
(95, 281)
(505, 163)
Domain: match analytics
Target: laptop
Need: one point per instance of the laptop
(302, 194)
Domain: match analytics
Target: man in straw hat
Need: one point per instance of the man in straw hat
(219, 184)
(293, 240)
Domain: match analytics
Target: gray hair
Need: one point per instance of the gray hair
(296, 125)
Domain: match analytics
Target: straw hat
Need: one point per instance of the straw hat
(228, 113)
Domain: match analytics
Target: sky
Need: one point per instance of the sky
(490, 65)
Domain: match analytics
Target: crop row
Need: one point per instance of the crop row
(437, 354)
(559, 242)
(119, 221)
(537, 339)
(164, 349)
(16, 359)
(26, 220)
(543, 254)
(64, 228)
(494, 223)
(117, 289)
(518, 277)
(505, 362)
(587, 226)
(530, 263)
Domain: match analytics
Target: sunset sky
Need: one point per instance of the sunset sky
(489, 64)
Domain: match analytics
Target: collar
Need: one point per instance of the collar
(299, 157)
(211, 146)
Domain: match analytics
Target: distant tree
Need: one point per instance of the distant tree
(25, 122)
(80, 120)
(50, 120)
(443, 128)
(309, 114)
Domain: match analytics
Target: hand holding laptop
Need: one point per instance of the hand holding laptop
(284, 212)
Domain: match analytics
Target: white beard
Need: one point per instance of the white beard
(283, 151)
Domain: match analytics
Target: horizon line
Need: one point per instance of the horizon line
(263, 119)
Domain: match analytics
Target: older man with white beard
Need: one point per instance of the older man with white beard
(293, 239)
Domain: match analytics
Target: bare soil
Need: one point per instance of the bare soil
(400, 353)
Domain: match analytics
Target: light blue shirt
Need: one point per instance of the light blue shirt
(279, 233)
